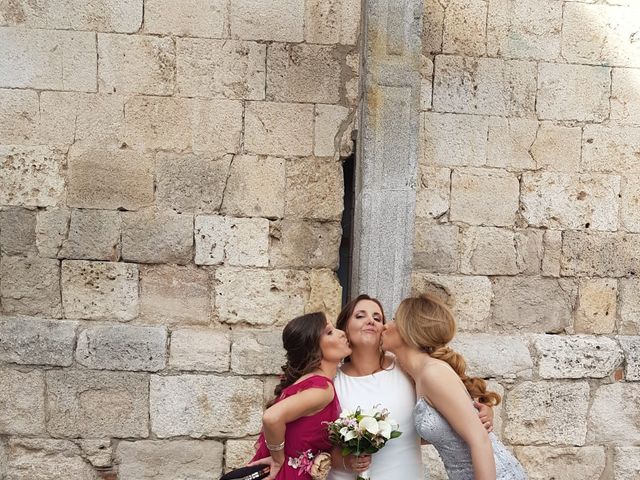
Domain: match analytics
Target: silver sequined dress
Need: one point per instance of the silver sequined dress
(453, 450)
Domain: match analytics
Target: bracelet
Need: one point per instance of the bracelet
(275, 448)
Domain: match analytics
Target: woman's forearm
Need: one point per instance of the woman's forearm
(484, 465)
(274, 429)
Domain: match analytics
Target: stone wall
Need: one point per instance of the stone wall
(171, 194)
(527, 219)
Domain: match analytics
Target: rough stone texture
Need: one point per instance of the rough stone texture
(329, 123)
(625, 98)
(573, 92)
(532, 304)
(629, 306)
(630, 203)
(494, 356)
(256, 187)
(202, 350)
(550, 413)
(32, 176)
(552, 253)
(30, 286)
(136, 64)
(99, 290)
(259, 297)
(188, 18)
(614, 416)
(469, 297)
(280, 20)
(530, 248)
(157, 237)
(22, 410)
(436, 247)
(484, 197)
(19, 115)
(612, 39)
(631, 347)
(432, 26)
(305, 244)
(600, 254)
(596, 309)
(303, 73)
(557, 148)
(572, 202)
(232, 241)
(273, 128)
(576, 356)
(510, 142)
(489, 251)
(237, 452)
(122, 347)
(611, 148)
(530, 30)
(454, 140)
(195, 406)
(434, 187)
(626, 462)
(98, 452)
(162, 460)
(109, 178)
(543, 463)
(332, 21)
(43, 459)
(314, 189)
(32, 341)
(257, 352)
(90, 404)
(220, 68)
(93, 235)
(174, 295)
(48, 59)
(487, 86)
(101, 15)
(17, 231)
(465, 27)
(326, 293)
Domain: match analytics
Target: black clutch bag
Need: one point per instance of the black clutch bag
(255, 472)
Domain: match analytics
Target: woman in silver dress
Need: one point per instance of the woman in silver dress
(444, 415)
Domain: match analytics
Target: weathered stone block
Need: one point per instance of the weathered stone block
(326, 293)
(562, 463)
(630, 203)
(436, 247)
(109, 178)
(230, 240)
(558, 200)
(162, 460)
(279, 128)
(17, 231)
(259, 297)
(255, 187)
(188, 18)
(98, 452)
(614, 416)
(573, 92)
(315, 189)
(201, 350)
(174, 295)
(19, 115)
(22, 409)
(122, 347)
(32, 176)
(333, 21)
(601, 254)
(552, 253)
(99, 290)
(469, 297)
(31, 341)
(510, 142)
(30, 286)
(532, 304)
(557, 148)
(432, 26)
(52, 225)
(220, 68)
(629, 306)
(329, 123)
(627, 462)
(631, 347)
(489, 251)
(597, 300)
(611, 148)
(434, 188)
(93, 235)
(487, 86)
(303, 73)
(44, 459)
(550, 413)
(465, 27)
(494, 355)
(280, 20)
(257, 352)
(625, 98)
(237, 453)
(530, 248)
(454, 140)
(49, 59)
(198, 405)
(426, 83)
(305, 244)
(531, 30)
(484, 197)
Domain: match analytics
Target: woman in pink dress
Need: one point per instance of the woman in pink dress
(294, 425)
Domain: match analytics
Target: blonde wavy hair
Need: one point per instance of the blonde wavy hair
(426, 323)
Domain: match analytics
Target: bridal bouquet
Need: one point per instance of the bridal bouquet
(363, 432)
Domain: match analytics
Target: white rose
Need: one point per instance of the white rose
(370, 425)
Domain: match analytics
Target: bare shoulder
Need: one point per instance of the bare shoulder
(437, 372)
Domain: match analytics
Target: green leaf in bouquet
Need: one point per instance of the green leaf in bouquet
(395, 434)
(345, 451)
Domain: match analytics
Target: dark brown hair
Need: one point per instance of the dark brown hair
(347, 311)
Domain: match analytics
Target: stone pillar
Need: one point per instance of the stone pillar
(385, 192)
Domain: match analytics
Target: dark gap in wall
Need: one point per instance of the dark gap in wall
(346, 244)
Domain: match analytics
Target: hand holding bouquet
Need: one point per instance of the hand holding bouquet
(363, 432)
